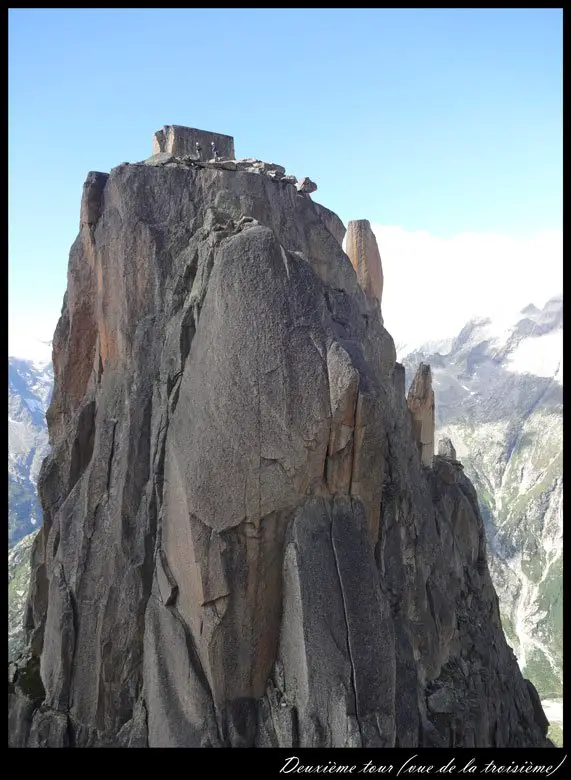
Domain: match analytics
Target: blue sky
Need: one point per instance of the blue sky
(438, 122)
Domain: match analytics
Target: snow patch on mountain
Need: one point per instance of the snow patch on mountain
(34, 405)
(498, 390)
(542, 356)
(29, 392)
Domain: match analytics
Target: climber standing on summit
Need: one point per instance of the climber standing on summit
(214, 150)
(198, 150)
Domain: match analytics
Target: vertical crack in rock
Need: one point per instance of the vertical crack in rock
(83, 443)
(343, 393)
(111, 455)
(92, 200)
(347, 632)
(238, 492)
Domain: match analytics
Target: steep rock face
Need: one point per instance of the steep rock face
(446, 449)
(364, 254)
(240, 546)
(499, 398)
(420, 402)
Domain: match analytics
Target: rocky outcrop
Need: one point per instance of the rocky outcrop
(420, 402)
(332, 222)
(180, 141)
(240, 546)
(446, 448)
(306, 185)
(259, 166)
(363, 252)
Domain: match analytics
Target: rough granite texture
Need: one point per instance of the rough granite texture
(180, 141)
(446, 449)
(363, 252)
(420, 402)
(240, 546)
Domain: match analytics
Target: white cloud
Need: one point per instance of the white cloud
(542, 356)
(433, 286)
(30, 334)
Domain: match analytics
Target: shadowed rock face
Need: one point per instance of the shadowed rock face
(420, 402)
(446, 448)
(240, 547)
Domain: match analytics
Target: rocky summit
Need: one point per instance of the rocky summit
(247, 540)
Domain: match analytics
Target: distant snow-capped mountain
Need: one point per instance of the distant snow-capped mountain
(29, 392)
(499, 397)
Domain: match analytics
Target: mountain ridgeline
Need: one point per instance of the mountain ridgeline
(246, 538)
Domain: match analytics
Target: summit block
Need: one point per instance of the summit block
(180, 141)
